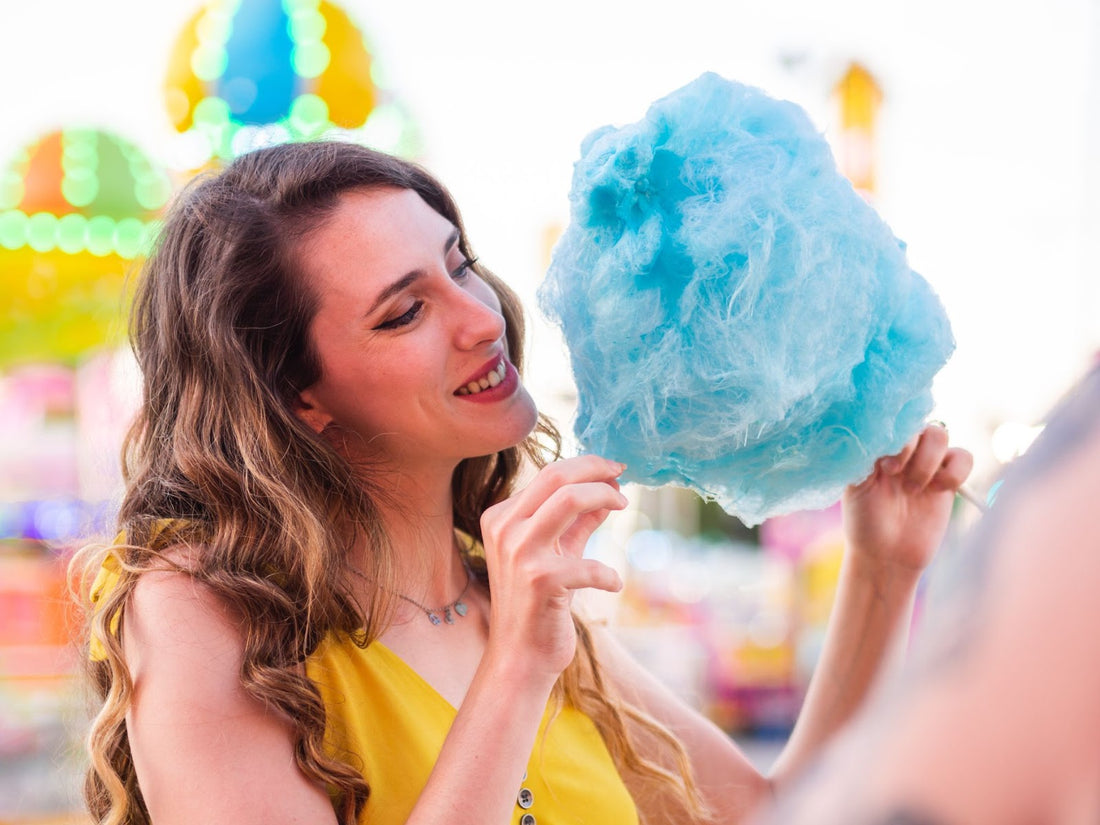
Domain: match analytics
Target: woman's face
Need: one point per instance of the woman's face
(405, 333)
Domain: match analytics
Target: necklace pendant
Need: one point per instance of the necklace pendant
(434, 619)
(447, 615)
(460, 608)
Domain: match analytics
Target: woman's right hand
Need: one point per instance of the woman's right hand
(534, 546)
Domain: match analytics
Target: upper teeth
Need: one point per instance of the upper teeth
(490, 379)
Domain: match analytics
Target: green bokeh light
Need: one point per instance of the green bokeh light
(151, 189)
(79, 162)
(75, 162)
(292, 7)
(151, 193)
(214, 28)
(11, 189)
(212, 112)
(42, 231)
(72, 234)
(209, 62)
(101, 235)
(140, 168)
(310, 59)
(13, 229)
(129, 237)
(306, 26)
(78, 146)
(80, 190)
(308, 115)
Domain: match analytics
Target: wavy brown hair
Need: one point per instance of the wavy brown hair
(270, 510)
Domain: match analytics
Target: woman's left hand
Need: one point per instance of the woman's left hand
(898, 515)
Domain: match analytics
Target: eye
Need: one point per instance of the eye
(463, 270)
(404, 318)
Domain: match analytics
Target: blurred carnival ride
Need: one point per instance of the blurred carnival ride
(79, 209)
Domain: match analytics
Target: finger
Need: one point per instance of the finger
(575, 537)
(954, 470)
(894, 464)
(926, 458)
(567, 504)
(552, 477)
(577, 574)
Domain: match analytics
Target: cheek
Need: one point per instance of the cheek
(383, 383)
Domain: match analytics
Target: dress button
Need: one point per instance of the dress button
(527, 819)
(526, 798)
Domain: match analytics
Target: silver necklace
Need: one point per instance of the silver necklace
(448, 610)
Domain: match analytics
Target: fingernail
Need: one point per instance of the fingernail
(889, 465)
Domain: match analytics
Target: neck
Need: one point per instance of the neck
(420, 526)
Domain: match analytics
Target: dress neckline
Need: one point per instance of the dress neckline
(412, 674)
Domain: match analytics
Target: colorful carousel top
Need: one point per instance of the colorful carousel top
(248, 73)
(77, 207)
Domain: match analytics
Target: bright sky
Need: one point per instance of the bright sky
(985, 171)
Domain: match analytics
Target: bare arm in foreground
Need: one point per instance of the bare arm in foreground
(998, 719)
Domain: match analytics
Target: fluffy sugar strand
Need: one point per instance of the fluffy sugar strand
(740, 321)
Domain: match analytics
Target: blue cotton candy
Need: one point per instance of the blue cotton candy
(740, 321)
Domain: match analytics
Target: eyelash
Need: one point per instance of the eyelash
(463, 269)
(404, 319)
(409, 315)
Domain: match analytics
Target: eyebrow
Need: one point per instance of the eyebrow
(407, 280)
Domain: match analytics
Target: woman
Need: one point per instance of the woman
(298, 626)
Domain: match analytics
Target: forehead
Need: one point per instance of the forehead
(372, 237)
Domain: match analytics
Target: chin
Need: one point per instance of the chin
(531, 418)
(520, 424)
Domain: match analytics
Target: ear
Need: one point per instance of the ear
(310, 411)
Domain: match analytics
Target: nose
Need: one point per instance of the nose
(478, 317)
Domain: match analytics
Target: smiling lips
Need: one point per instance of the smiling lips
(492, 378)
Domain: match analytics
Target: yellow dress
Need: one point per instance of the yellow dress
(389, 723)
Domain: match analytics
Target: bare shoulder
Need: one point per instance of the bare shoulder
(175, 621)
(193, 726)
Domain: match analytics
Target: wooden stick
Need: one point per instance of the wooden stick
(973, 499)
